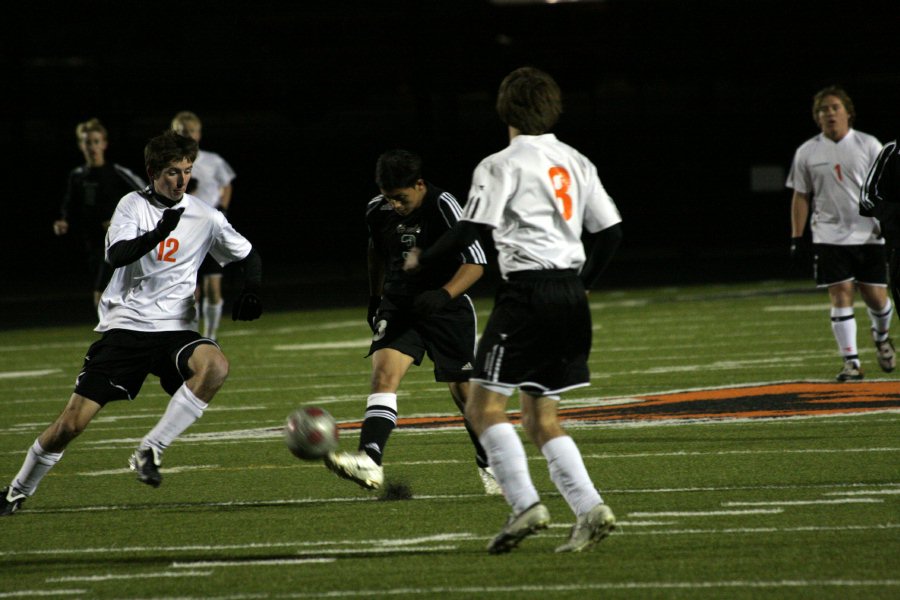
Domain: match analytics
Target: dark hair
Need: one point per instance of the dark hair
(529, 100)
(397, 169)
(837, 92)
(167, 148)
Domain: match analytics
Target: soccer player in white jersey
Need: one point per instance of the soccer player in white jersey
(536, 196)
(827, 175)
(156, 241)
(211, 182)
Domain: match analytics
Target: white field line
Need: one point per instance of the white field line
(806, 502)
(892, 492)
(707, 513)
(364, 343)
(373, 543)
(276, 562)
(32, 593)
(543, 590)
(769, 530)
(112, 577)
(824, 307)
(21, 374)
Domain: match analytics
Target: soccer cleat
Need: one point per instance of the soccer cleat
(850, 372)
(489, 481)
(518, 527)
(885, 352)
(10, 500)
(359, 468)
(589, 529)
(146, 463)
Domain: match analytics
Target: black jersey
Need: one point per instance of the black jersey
(392, 235)
(92, 194)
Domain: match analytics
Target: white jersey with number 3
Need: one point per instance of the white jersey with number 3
(537, 195)
(832, 175)
(156, 292)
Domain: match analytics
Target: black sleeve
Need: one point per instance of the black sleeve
(458, 238)
(251, 267)
(600, 248)
(125, 252)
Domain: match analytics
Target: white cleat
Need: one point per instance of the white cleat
(885, 352)
(589, 529)
(358, 467)
(520, 526)
(489, 481)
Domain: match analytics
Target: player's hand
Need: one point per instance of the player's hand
(430, 302)
(169, 221)
(411, 264)
(799, 249)
(60, 227)
(247, 307)
(372, 314)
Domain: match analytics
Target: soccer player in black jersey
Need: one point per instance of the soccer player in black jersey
(412, 314)
(92, 193)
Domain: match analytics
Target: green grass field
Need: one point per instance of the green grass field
(802, 507)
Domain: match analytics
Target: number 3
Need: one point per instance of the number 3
(560, 180)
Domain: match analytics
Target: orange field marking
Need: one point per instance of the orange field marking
(750, 402)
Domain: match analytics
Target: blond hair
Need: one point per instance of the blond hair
(89, 126)
(183, 118)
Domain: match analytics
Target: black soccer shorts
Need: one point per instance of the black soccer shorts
(117, 364)
(538, 337)
(448, 337)
(865, 263)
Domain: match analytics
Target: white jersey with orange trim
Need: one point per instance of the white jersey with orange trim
(156, 292)
(210, 172)
(537, 194)
(832, 175)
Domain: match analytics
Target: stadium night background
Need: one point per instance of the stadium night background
(691, 110)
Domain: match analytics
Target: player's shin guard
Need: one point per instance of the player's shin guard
(881, 321)
(569, 474)
(184, 408)
(37, 463)
(843, 325)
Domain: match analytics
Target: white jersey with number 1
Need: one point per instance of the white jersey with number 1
(156, 292)
(832, 175)
(537, 195)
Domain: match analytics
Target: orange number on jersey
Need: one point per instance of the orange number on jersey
(559, 179)
(837, 169)
(172, 245)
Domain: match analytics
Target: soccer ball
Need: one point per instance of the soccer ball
(310, 433)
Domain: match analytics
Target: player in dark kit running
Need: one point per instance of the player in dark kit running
(412, 314)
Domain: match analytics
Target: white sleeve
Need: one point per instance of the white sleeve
(600, 211)
(229, 245)
(124, 224)
(798, 177)
(490, 192)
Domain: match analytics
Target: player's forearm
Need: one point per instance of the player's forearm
(375, 264)
(125, 252)
(464, 278)
(799, 213)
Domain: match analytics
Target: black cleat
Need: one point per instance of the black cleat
(10, 500)
(146, 463)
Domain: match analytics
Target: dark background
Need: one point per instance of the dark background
(677, 103)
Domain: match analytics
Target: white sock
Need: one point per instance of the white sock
(843, 324)
(37, 463)
(212, 316)
(184, 408)
(568, 472)
(881, 321)
(506, 455)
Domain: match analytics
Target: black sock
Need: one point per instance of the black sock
(376, 429)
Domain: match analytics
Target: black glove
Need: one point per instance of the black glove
(247, 306)
(169, 221)
(374, 305)
(430, 302)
